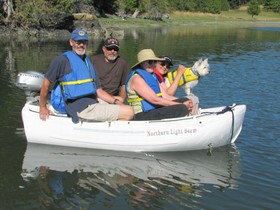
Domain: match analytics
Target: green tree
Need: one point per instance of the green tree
(273, 5)
(154, 8)
(211, 6)
(183, 5)
(28, 12)
(235, 4)
(225, 5)
(254, 8)
(124, 6)
(131, 4)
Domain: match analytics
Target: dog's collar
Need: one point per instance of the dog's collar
(195, 73)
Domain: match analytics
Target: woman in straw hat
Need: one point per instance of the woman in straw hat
(145, 95)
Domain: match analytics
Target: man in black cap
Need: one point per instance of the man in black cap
(111, 69)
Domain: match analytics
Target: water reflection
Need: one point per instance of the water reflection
(70, 177)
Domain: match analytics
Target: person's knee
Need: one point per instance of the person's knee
(126, 113)
(130, 113)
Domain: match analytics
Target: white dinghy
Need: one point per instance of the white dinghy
(213, 127)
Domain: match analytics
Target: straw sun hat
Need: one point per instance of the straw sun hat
(146, 55)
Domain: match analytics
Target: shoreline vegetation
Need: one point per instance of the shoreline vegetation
(102, 27)
(185, 18)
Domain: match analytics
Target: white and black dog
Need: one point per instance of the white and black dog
(190, 79)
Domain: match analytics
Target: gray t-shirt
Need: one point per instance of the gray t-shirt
(61, 66)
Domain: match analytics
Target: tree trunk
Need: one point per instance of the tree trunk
(8, 8)
(135, 14)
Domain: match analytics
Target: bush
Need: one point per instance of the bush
(254, 8)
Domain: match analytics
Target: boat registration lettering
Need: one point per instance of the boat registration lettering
(177, 131)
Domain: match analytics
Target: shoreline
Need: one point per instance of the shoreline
(118, 25)
(123, 24)
(189, 18)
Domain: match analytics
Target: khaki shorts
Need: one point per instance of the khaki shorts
(101, 112)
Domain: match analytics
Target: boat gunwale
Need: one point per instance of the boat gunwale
(203, 114)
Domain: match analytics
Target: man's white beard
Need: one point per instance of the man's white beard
(79, 52)
(111, 58)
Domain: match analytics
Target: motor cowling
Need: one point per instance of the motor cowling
(30, 82)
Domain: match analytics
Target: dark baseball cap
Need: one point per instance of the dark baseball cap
(167, 60)
(111, 42)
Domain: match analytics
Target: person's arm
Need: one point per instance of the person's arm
(102, 94)
(58, 67)
(126, 72)
(44, 111)
(173, 88)
(123, 92)
(143, 89)
(165, 94)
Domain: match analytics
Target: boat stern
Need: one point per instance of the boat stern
(238, 119)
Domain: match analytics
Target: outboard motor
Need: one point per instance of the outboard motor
(30, 82)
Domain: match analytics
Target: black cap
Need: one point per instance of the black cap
(167, 60)
(111, 42)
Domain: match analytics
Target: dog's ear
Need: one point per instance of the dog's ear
(196, 64)
(205, 62)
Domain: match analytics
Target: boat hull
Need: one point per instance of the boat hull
(180, 134)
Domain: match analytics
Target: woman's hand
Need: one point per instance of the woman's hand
(181, 69)
(189, 104)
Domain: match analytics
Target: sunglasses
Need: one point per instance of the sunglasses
(151, 62)
(78, 42)
(164, 64)
(112, 48)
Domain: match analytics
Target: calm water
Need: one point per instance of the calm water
(245, 64)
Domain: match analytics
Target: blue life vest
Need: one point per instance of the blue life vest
(78, 83)
(57, 99)
(151, 80)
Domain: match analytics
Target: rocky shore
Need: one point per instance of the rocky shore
(60, 26)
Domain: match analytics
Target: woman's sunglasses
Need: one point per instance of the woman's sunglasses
(164, 64)
(151, 62)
